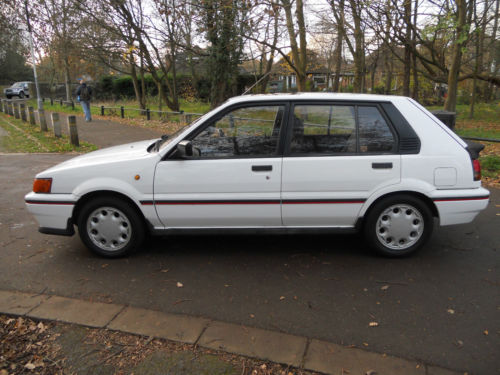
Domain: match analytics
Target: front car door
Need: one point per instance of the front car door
(235, 181)
(337, 154)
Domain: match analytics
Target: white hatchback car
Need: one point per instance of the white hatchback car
(382, 165)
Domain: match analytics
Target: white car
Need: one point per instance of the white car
(380, 165)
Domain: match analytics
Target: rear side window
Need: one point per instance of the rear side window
(374, 133)
(340, 129)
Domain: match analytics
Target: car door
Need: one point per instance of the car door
(236, 179)
(336, 155)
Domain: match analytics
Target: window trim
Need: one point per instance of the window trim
(219, 115)
(289, 134)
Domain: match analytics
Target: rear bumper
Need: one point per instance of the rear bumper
(52, 212)
(460, 206)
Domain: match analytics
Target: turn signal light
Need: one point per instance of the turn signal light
(477, 169)
(42, 185)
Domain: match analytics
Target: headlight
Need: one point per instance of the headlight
(42, 185)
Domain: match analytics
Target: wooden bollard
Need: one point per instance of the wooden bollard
(42, 120)
(22, 109)
(56, 125)
(1, 105)
(10, 109)
(31, 115)
(73, 131)
(16, 110)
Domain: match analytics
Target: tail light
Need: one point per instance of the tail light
(477, 169)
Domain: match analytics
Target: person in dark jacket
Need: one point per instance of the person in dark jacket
(84, 94)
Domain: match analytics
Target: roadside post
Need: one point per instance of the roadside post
(56, 125)
(43, 121)
(73, 130)
(22, 109)
(1, 104)
(16, 110)
(31, 115)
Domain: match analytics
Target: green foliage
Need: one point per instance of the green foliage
(490, 165)
(380, 89)
(13, 66)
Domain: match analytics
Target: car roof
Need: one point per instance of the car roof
(315, 96)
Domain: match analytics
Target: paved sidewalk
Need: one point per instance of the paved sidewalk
(105, 133)
(296, 351)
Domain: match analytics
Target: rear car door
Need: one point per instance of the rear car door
(336, 155)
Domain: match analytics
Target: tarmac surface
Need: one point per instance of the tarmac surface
(441, 306)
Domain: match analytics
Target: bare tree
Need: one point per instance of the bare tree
(298, 50)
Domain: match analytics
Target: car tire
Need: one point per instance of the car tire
(21, 95)
(398, 225)
(8, 96)
(111, 227)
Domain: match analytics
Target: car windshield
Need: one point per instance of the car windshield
(18, 84)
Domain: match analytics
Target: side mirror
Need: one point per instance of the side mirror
(185, 149)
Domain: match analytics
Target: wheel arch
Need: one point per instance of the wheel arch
(105, 193)
(424, 198)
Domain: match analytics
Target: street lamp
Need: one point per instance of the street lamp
(39, 98)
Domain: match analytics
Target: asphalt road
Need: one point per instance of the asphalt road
(441, 305)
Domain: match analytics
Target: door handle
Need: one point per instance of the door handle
(262, 168)
(382, 165)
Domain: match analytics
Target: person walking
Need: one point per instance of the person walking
(84, 94)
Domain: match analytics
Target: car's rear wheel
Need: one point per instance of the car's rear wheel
(110, 227)
(21, 95)
(398, 225)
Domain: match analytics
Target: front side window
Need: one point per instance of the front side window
(323, 129)
(243, 132)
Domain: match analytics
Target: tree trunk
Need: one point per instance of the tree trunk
(359, 55)
(407, 53)
(450, 103)
(299, 55)
(66, 79)
(135, 81)
(142, 101)
(338, 55)
(414, 55)
(479, 54)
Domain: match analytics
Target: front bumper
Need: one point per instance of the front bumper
(53, 212)
(460, 206)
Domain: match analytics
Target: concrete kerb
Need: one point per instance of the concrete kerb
(309, 354)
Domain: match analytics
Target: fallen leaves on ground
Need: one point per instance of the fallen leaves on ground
(27, 347)
(30, 347)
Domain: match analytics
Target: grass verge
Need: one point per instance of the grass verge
(23, 137)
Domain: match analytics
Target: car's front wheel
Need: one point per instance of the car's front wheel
(21, 95)
(110, 227)
(398, 225)
(8, 96)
